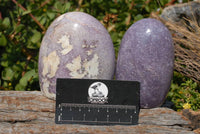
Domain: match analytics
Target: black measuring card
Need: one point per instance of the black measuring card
(97, 102)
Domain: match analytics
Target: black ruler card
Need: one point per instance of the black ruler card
(97, 102)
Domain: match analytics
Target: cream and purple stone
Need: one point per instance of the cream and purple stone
(76, 45)
(147, 55)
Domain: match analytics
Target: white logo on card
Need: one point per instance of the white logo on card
(98, 93)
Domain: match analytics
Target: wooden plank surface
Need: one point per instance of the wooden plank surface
(31, 112)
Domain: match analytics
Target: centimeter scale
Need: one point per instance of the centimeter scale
(97, 102)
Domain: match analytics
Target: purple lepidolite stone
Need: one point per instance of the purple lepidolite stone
(147, 55)
(76, 45)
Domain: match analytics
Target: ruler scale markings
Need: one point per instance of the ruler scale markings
(59, 118)
(84, 117)
(107, 118)
(117, 122)
(98, 108)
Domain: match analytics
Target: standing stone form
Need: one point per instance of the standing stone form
(76, 45)
(147, 55)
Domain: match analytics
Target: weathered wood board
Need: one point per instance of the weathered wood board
(31, 112)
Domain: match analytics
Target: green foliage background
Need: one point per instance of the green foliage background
(23, 24)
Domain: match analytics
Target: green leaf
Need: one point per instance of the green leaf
(113, 10)
(7, 74)
(5, 83)
(58, 5)
(36, 37)
(51, 15)
(26, 12)
(43, 20)
(6, 22)
(27, 77)
(147, 8)
(4, 61)
(162, 2)
(17, 67)
(66, 7)
(20, 87)
(3, 40)
(138, 17)
(19, 28)
(114, 36)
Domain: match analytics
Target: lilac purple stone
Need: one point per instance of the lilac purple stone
(76, 45)
(147, 55)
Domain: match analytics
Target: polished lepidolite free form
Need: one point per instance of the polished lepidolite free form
(147, 55)
(76, 45)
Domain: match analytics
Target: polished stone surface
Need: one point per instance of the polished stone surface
(147, 55)
(76, 45)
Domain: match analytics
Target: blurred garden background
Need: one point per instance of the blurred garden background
(23, 24)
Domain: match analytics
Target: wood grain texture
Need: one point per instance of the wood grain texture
(31, 112)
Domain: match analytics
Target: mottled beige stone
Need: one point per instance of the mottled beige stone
(89, 52)
(92, 67)
(88, 68)
(45, 90)
(74, 68)
(50, 63)
(67, 47)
